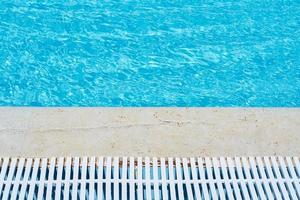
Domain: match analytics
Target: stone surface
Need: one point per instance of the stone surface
(149, 131)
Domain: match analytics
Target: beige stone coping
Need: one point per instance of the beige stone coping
(149, 131)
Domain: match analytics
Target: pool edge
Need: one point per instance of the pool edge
(45, 132)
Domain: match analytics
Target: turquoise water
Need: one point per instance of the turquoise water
(150, 53)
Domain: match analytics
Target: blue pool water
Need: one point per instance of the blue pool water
(150, 53)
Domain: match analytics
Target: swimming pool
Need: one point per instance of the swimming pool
(150, 53)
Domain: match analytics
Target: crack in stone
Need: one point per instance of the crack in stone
(163, 122)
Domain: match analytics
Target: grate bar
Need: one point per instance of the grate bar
(150, 178)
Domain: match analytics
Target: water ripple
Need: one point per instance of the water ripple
(150, 53)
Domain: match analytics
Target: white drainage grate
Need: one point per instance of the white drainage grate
(150, 178)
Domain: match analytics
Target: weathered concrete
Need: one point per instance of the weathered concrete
(149, 131)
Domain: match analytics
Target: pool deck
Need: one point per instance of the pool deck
(157, 132)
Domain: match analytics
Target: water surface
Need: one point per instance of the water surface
(150, 53)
